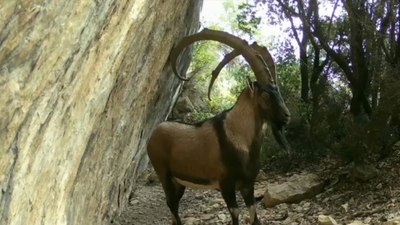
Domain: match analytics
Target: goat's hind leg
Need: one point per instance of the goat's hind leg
(248, 196)
(174, 193)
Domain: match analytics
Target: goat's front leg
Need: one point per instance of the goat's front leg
(228, 193)
(248, 196)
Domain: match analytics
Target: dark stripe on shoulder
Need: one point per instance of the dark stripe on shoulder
(230, 155)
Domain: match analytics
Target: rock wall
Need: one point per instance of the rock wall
(82, 84)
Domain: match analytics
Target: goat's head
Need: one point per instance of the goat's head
(273, 109)
(267, 94)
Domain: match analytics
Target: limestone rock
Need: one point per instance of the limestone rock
(326, 220)
(190, 99)
(192, 221)
(261, 176)
(183, 105)
(150, 176)
(222, 217)
(395, 221)
(363, 172)
(356, 222)
(194, 93)
(296, 189)
(82, 85)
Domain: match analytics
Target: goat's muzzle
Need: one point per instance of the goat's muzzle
(278, 130)
(279, 124)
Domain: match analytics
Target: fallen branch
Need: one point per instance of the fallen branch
(368, 212)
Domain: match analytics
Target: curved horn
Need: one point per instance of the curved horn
(266, 58)
(216, 71)
(236, 43)
(173, 57)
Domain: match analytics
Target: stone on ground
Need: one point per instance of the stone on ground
(395, 221)
(364, 172)
(326, 220)
(296, 189)
(356, 222)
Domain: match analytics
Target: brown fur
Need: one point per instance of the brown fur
(189, 151)
(182, 153)
(186, 151)
(242, 131)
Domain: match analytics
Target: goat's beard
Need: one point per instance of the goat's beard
(279, 134)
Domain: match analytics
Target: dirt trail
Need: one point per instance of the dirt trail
(372, 202)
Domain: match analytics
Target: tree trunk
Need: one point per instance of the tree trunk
(305, 87)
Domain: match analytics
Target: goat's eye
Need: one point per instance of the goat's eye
(265, 96)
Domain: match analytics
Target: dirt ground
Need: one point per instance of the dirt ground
(344, 199)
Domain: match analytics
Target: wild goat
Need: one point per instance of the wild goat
(221, 153)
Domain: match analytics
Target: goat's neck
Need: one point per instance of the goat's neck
(244, 123)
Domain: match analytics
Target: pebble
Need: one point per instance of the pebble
(192, 221)
(345, 207)
(306, 205)
(215, 206)
(326, 220)
(367, 220)
(298, 208)
(207, 216)
(357, 222)
(135, 202)
(222, 217)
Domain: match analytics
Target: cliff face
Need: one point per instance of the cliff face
(82, 85)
